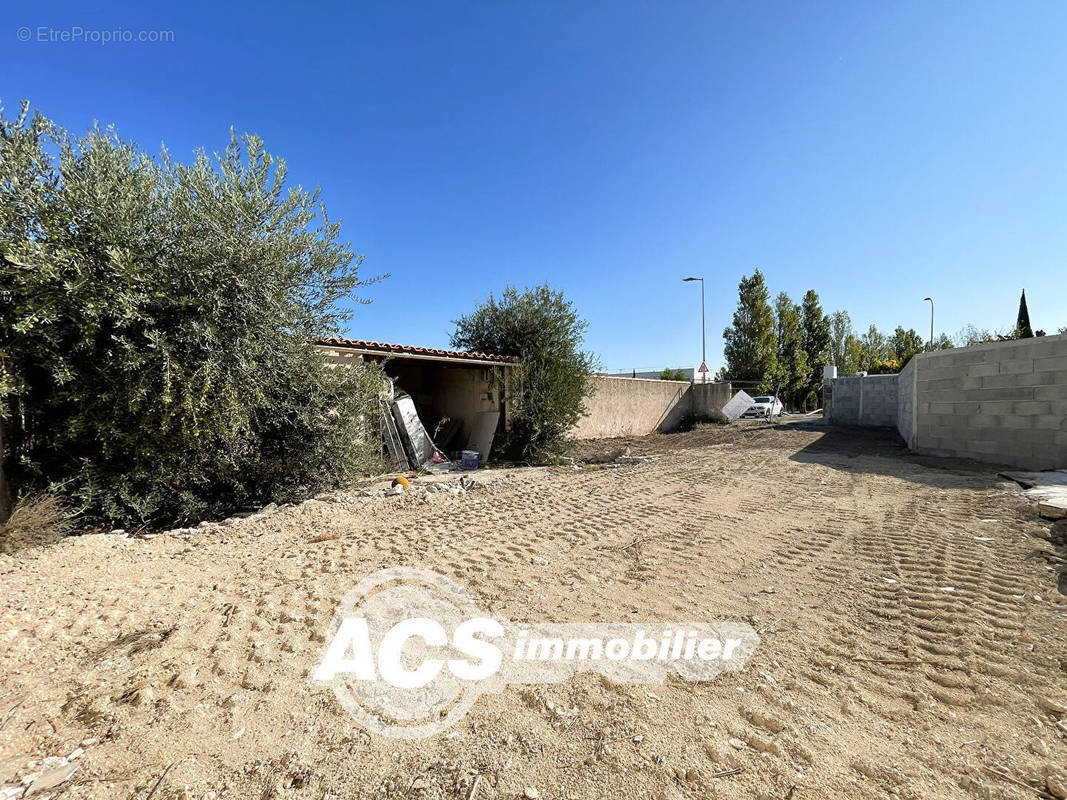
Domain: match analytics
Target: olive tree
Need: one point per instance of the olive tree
(157, 322)
(543, 330)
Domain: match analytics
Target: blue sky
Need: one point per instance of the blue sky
(877, 152)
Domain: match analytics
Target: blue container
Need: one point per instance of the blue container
(469, 460)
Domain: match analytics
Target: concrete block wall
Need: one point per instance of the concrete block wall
(1003, 402)
(638, 406)
(906, 402)
(869, 400)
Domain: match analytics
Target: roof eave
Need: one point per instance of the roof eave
(365, 351)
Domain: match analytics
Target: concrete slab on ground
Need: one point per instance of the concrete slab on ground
(1048, 488)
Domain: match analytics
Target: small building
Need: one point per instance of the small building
(459, 396)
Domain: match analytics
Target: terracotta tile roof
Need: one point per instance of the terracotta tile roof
(387, 349)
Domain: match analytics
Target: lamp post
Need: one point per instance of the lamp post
(703, 334)
(931, 321)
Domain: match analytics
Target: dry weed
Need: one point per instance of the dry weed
(37, 520)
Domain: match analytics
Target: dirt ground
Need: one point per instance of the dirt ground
(913, 635)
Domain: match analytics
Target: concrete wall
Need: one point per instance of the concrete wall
(638, 406)
(864, 400)
(707, 398)
(1002, 402)
(906, 402)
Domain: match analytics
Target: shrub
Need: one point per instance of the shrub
(156, 328)
(542, 329)
(889, 366)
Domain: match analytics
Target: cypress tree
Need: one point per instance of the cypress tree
(1022, 324)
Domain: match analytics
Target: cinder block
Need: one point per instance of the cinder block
(938, 359)
(966, 384)
(942, 395)
(1033, 407)
(966, 407)
(1050, 363)
(949, 422)
(934, 443)
(985, 421)
(1017, 422)
(998, 381)
(1049, 346)
(1050, 422)
(954, 383)
(984, 369)
(1053, 453)
(1051, 377)
(997, 407)
(1011, 381)
(941, 408)
(1017, 366)
(1050, 392)
(1012, 393)
(1029, 436)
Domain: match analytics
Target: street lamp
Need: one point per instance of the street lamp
(703, 335)
(931, 320)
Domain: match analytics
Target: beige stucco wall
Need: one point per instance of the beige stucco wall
(637, 406)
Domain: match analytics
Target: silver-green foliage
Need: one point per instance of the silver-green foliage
(544, 331)
(156, 328)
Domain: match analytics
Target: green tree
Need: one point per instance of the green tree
(855, 353)
(841, 354)
(1022, 323)
(792, 375)
(750, 343)
(670, 374)
(157, 322)
(815, 326)
(543, 329)
(874, 347)
(904, 344)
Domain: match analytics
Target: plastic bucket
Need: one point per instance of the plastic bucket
(469, 460)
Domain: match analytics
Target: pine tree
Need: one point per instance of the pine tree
(1022, 324)
(750, 342)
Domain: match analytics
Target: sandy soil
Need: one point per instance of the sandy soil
(914, 638)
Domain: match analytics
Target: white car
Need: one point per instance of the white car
(766, 407)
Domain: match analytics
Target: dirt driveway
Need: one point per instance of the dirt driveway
(913, 638)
